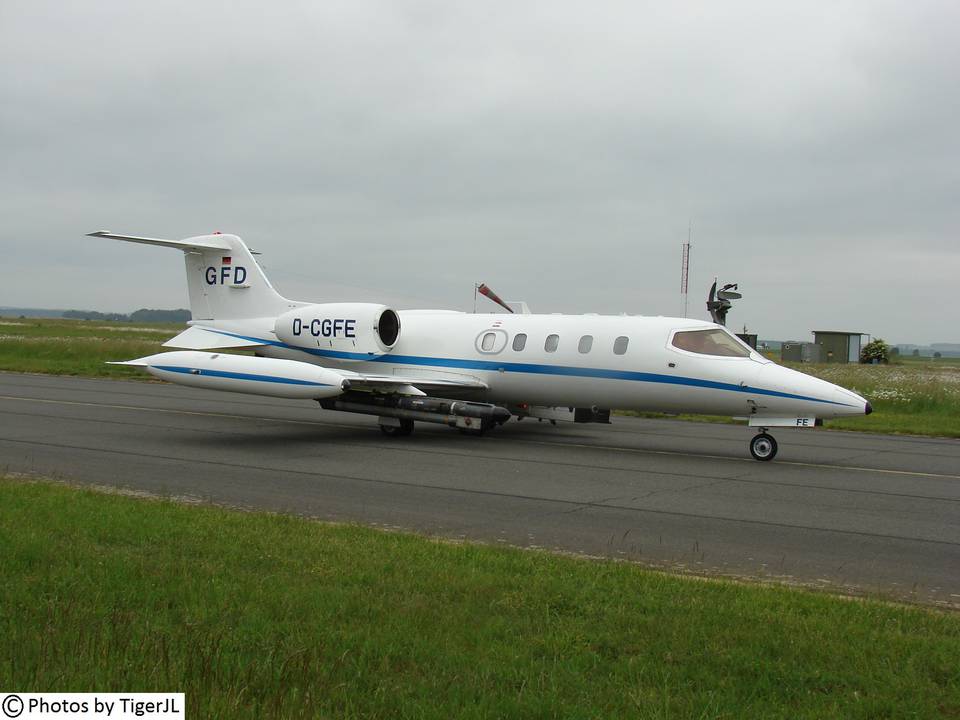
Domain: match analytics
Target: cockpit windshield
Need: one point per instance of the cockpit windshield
(709, 342)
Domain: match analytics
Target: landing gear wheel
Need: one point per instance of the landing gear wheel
(479, 428)
(404, 429)
(763, 447)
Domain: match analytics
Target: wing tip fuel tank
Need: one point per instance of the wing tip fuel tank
(244, 374)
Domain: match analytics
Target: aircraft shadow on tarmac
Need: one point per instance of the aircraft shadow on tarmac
(514, 439)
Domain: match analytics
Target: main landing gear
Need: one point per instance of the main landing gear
(763, 447)
(401, 429)
(475, 427)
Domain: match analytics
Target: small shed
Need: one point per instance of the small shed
(838, 346)
(800, 352)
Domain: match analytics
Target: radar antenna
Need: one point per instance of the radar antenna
(719, 303)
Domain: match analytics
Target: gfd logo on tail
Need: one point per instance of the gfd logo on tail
(227, 273)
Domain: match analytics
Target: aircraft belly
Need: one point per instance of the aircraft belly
(615, 394)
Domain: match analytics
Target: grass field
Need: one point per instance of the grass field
(260, 616)
(922, 398)
(917, 396)
(78, 347)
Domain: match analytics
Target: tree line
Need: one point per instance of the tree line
(144, 315)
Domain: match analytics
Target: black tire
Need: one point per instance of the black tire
(474, 432)
(763, 447)
(405, 428)
(479, 429)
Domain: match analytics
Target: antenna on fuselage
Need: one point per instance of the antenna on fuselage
(719, 303)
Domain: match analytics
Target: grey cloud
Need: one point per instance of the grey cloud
(554, 150)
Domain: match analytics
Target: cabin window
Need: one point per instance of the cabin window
(519, 341)
(586, 342)
(552, 342)
(487, 343)
(710, 342)
(620, 345)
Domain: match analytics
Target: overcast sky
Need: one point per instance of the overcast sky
(401, 151)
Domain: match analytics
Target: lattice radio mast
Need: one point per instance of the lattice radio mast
(685, 270)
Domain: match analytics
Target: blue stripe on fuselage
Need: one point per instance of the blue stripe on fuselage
(237, 376)
(536, 369)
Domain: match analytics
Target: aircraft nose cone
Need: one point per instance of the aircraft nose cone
(868, 409)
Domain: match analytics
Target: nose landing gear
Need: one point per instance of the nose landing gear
(763, 447)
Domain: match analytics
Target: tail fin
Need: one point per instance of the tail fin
(224, 279)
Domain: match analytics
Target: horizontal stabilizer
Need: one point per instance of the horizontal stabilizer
(207, 242)
(200, 338)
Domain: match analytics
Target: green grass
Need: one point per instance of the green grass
(102, 329)
(920, 398)
(78, 347)
(259, 616)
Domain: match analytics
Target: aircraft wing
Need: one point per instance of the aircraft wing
(418, 385)
(417, 382)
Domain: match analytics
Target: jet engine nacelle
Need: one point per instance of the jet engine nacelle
(364, 328)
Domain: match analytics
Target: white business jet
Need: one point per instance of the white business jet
(469, 371)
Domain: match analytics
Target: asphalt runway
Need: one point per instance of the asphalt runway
(858, 512)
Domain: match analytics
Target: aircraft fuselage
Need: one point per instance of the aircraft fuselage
(585, 369)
